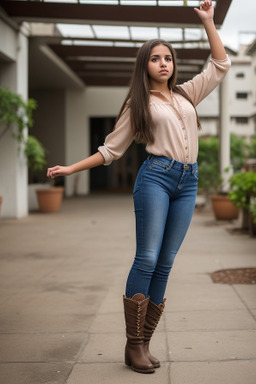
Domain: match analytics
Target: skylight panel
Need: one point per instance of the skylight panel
(144, 33)
(193, 3)
(61, 1)
(111, 32)
(193, 34)
(178, 3)
(138, 2)
(75, 30)
(124, 44)
(107, 2)
(93, 43)
(171, 34)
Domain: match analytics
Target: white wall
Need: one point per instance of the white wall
(241, 107)
(208, 109)
(13, 169)
(49, 123)
(80, 106)
(8, 40)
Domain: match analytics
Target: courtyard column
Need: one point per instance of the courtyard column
(13, 170)
(224, 134)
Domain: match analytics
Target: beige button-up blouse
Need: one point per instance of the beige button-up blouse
(176, 131)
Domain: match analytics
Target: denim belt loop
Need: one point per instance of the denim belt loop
(171, 164)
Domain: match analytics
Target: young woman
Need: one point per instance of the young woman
(161, 114)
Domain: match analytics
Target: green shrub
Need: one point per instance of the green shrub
(243, 187)
(238, 151)
(208, 165)
(208, 160)
(252, 148)
(15, 114)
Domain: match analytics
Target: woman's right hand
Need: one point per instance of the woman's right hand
(59, 170)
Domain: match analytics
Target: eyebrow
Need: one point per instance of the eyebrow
(159, 55)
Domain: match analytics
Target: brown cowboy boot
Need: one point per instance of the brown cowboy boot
(153, 315)
(135, 311)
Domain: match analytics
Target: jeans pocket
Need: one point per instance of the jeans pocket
(159, 166)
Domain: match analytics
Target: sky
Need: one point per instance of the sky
(241, 17)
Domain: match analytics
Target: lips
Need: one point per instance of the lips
(164, 71)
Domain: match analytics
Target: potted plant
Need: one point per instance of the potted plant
(209, 176)
(49, 199)
(242, 194)
(210, 181)
(16, 115)
(223, 207)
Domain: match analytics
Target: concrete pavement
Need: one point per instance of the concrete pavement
(62, 277)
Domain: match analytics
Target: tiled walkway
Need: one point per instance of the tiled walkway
(62, 277)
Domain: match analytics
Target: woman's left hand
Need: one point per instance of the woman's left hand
(206, 11)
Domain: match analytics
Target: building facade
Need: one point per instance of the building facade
(68, 110)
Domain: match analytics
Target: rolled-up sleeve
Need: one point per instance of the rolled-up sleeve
(117, 142)
(204, 83)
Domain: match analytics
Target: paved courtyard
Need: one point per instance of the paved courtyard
(62, 277)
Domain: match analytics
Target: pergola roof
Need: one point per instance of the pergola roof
(101, 60)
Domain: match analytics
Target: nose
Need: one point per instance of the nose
(163, 63)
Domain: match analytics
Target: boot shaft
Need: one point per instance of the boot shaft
(135, 310)
(153, 315)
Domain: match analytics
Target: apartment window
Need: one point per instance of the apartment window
(241, 95)
(240, 74)
(242, 120)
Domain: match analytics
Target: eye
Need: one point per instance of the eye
(154, 59)
(168, 58)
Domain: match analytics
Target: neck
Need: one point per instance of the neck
(162, 87)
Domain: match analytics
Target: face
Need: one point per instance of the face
(160, 65)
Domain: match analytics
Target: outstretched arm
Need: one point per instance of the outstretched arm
(206, 13)
(91, 162)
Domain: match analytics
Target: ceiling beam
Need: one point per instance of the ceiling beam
(221, 9)
(102, 66)
(106, 81)
(73, 51)
(59, 39)
(122, 81)
(63, 12)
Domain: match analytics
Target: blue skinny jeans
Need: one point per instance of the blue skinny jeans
(164, 201)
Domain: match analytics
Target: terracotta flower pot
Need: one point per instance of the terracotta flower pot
(223, 208)
(50, 199)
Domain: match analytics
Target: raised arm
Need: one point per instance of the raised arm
(206, 13)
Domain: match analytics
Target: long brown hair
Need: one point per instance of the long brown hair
(138, 96)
